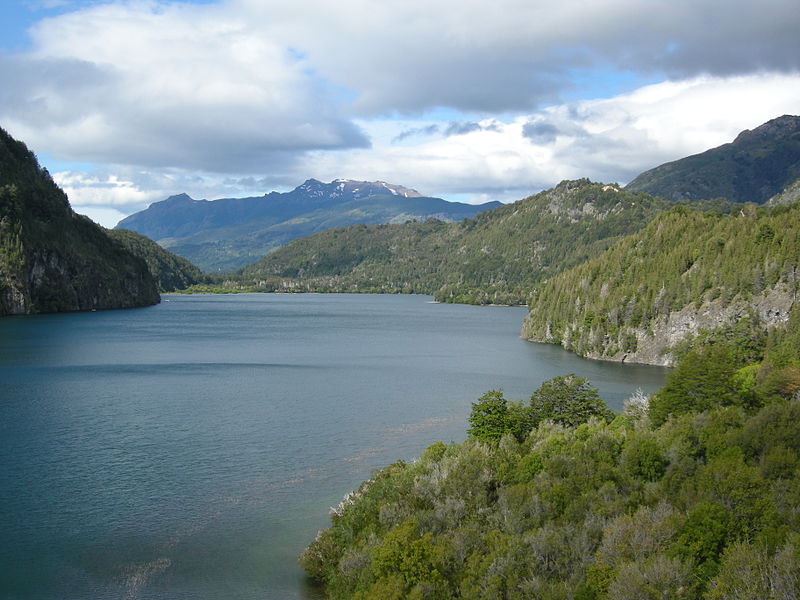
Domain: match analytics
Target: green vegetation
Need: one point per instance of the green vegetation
(52, 259)
(567, 400)
(496, 257)
(171, 272)
(757, 165)
(696, 496)
(229, 233)
(742, 268)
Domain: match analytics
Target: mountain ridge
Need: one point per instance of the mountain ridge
(228, 233)
(493, 258)
(755, 166)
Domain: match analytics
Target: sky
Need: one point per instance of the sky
(127, 102)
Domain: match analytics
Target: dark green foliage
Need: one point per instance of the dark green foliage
(51, 259)
(704, 267)
(702, 538)
(170, 271)
(567, 400)
(493, 258)
(704, 378)
(643, 458)
(704, 506)
(489, 419)
(756, 166)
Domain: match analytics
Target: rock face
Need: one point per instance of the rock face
(756, 166)
(51, 259)
(790, 195)
(653, 344)
(685, 274)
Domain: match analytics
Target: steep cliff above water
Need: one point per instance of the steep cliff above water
(686, 272)
(51, 259)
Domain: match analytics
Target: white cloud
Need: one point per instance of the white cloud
(242, 96)
(242, 86)
(607, 140)
(102, 215)
(170, 86)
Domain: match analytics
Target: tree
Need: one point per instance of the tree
(703, 379)
(489, 418)
(568, 400)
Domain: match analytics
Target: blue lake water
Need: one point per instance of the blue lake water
(190, 450)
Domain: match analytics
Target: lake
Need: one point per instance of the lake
(192, 449)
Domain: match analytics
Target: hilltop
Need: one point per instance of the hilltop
(757, 165)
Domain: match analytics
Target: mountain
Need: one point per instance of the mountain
(171, 272)
(496, 257)
(51, 259)
(789, 195)
(757, 165)
(685, 274)
(223, 235)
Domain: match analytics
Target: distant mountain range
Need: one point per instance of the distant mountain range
(756, 166)
(226, 234)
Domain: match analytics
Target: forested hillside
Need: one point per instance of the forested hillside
(758, 164)
(685, 272)
(496, 257)
(692, 495)
(52, 259)
(170, 271)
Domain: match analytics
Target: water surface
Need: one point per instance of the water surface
(192, 449)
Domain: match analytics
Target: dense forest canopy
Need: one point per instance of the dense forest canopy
(746, 263)
(494, 258)
(693, 494)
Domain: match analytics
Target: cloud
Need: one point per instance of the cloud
(463, 127)
(169, 86)
(606, 140)
(540, 131)
(519, 55)
(416, 132)
(241, 96)
(242, 85)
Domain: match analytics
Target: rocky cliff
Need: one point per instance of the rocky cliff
(684, 274)
(51, 259)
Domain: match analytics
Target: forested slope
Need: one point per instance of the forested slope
(685, 272)
(692, 495)
(495, 257)
(171, 272)
(52, 259)
(758, 164)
